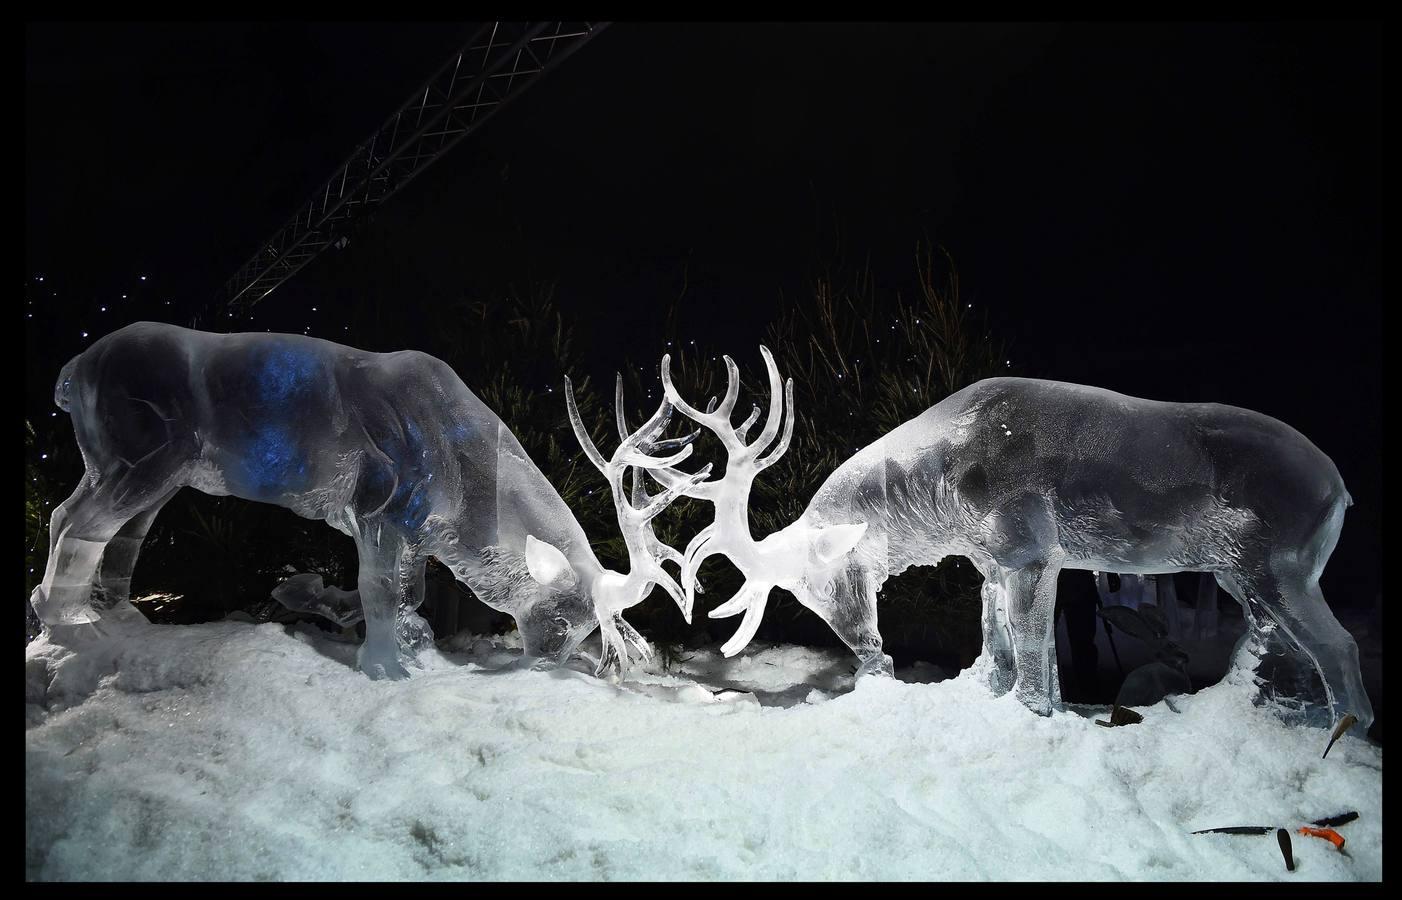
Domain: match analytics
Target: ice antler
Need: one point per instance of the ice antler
(763, 566)
(645, 552)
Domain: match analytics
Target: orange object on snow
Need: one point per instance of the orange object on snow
(1328, 834)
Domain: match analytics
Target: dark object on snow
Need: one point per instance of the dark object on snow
(1327, 834)
(1344, 725)
(1121, 715)
(1283, 838)
(1331, 821)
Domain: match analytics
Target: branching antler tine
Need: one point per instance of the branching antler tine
(783, 445)
(744, 428)
(649, 430)
(673, 443)
(690, 584)
(659, 425)
(633, 639)
(661, 501)
(618, 413)
(711, 405)
(700, 491)
(748, 625)
(691, 562)
(653, 462)
(673, 590)
(776, 401)
(624, 432)
(670, 390)
(611, 646)
(694, 545)
(732, 389)
(663, 553)
(580, 433)
(737, 604)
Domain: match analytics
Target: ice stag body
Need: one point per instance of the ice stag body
(1026, 477)
(390, 448)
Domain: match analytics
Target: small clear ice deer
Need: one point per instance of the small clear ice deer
(390, 448)
(1025, 477)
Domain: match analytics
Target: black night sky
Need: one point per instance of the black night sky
(1175, 211)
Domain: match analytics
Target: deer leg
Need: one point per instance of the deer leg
(1031, 611)
(381, 581)
(1307, 616)
(1294, 603)
(63, 596)
(412, 631)
(119, 560)
(80, 531)
(996, 665)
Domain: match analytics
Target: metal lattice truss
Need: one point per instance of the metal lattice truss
(498, 63)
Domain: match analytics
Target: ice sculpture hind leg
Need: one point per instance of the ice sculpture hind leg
(1305, 614)
(1295, 603)
(119, 560)
(384, 577)
(80, 532)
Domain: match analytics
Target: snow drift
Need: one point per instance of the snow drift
(239, 752)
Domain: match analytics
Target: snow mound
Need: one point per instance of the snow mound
(230, 751)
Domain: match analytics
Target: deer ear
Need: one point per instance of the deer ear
(546, 564)
(835, 541)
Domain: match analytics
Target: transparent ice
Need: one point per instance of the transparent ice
(390, 448)
(1024, 477)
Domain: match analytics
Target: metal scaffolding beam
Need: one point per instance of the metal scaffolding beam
(498, 63)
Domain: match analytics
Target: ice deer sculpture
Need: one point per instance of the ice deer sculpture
(390, 448)
(1024, 477)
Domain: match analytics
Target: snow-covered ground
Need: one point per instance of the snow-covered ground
(239, 752)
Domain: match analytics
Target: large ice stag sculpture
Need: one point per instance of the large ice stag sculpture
(1025, 477)
(390, 448)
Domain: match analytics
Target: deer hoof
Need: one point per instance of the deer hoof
(1038, 702)
(379, 669)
